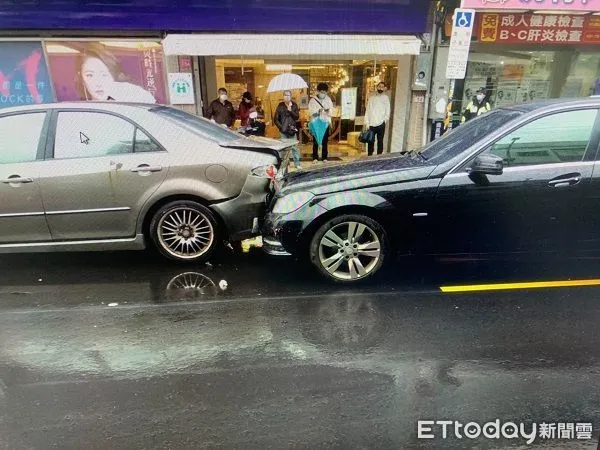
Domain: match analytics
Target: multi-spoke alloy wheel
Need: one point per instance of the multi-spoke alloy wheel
(349, 248)
(184, 231)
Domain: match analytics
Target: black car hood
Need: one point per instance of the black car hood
(360, 173)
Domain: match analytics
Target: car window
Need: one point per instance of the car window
(20, 137)
(143, 143)
(205, 127)
(461, 138)
(553, 139)
(90, 134)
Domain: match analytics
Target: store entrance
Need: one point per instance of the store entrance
(350, 83)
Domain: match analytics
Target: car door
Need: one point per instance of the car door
(94, 180)
(537, 203)
(22, 139)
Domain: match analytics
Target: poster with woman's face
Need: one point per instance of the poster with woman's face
(131, 71)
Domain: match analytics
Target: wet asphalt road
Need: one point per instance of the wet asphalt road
(281, 359)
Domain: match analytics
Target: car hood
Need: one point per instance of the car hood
(357, 174)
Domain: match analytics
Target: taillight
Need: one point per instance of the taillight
(269, 172)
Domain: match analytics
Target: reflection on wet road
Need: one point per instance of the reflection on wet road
(276, 358)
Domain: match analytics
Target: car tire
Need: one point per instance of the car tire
(184, 231)
(348, 259)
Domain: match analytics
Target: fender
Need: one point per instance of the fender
(352, 198)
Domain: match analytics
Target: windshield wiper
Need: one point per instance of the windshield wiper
(413, 153)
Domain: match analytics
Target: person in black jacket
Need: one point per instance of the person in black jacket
(221, 110)
(286, 119)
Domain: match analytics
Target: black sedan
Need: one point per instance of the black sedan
(516, 180)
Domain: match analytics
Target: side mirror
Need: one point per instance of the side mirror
(487, 165)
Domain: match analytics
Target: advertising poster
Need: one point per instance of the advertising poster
(24, 78)
(120, 71)
(181, 89)
(349, 99)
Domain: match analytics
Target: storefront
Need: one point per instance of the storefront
(182, 52)
(351, 66)
(521, 55)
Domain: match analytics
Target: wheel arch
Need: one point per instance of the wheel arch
(146, 219)
(377, 214)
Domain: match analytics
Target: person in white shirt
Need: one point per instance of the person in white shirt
(321, 106)
(378, 113)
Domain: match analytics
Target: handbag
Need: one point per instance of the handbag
(289, 126)
(366, 136)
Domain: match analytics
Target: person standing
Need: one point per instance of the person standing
(246, 107)
(321, 107)
(221, 110)
(378, 114)
(286, 119)
(477, 106)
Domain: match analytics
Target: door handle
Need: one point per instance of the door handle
(564, 182)
(145, 168)
(16, 179)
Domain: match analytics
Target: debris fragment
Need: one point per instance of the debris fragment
(113, 304)
(223, 285)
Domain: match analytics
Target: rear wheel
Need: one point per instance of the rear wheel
(184, 231)
(349, 248)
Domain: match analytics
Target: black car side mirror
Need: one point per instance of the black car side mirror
(487, 165)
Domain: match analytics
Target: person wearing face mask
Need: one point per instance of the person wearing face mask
(378, 113)
(321, 106)
(221, 110)
(477, 106)
(245, 108)
(286, 119)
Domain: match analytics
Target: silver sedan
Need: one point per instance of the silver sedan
(110, 176)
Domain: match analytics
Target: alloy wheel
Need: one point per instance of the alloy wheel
(350, 251)
(185, 233)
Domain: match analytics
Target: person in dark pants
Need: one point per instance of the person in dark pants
(286, 119)
(221, 110)
(378, 113)
(321, 106)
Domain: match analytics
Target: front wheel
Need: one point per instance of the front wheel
(184, 231)
(349, 248)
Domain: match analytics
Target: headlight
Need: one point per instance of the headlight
(292, 202)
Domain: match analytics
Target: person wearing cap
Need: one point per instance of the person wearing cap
(476, 107)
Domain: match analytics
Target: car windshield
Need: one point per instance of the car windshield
(459, 139)
(200, 125)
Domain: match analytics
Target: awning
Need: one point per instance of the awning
(291, 45)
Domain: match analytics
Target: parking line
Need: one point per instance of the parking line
(514, 286)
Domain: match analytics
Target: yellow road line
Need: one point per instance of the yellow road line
(512, 286)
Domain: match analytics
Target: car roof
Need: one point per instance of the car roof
(558, 103)
(106, 106)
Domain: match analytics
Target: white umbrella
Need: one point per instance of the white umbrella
(286, 82)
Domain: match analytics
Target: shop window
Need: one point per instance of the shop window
(553, 139)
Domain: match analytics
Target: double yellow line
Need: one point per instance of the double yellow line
(516, 286)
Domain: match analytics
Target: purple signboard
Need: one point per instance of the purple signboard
(120, 71)
(266, 16)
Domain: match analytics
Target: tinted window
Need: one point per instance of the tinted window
(143, 143)
(20, 137)
(460, 139)
(197, 124)
(89, 134)
(557, 138)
